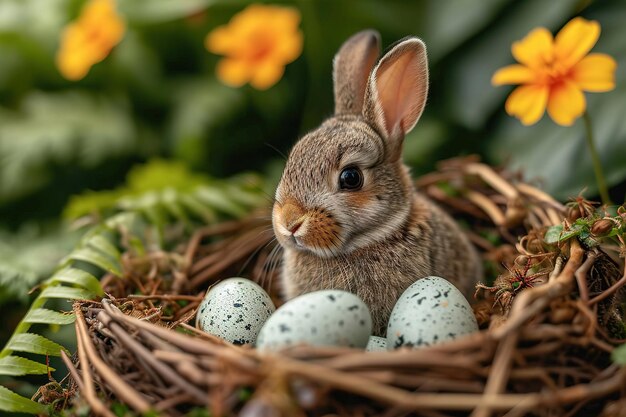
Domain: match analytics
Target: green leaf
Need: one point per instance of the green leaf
(446, 28)
(215, 198)
(75, 276)
(13, 403)
(16, 366)
(96, 258)
(200, 106)
(199, 209)
(34, 343)
(29, 255)
(45, 316)
(99, 242)
(67, 293)
(158, 11)
(619, 355)
(553, 234)
(52, 129)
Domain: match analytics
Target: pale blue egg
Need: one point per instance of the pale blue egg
(430, 311)
(320, 318)
(235, 310)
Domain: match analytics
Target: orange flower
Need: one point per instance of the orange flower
(555, 72)
(89, 39)
(257, 43)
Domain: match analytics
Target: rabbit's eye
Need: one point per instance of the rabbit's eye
(351, 178)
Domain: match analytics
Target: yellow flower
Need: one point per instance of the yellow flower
(257, 43)
(555, 72)
(89, 39)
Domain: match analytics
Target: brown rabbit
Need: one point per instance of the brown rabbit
(346, 212)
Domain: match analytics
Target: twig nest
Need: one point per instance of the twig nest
(430, 311)
(235, 310)
(320, 318)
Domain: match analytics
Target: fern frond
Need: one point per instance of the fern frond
(74, 127)
(165, 191)
(73, 279)
(157, 194)
(14, 403)
(30, 255)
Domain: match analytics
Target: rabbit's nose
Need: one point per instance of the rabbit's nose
(294, 226)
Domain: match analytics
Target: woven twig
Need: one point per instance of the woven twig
(546, 351)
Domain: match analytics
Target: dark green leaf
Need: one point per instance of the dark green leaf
(104, 245)
(67, 293)
(13, 403)
(158, 11)
(45, 316)
(199, 209)
(216, 198)
(575, 230)
(553, 234)
(78, 277)
(16, 366)
(58, 128)
(96, 258)
(33, 343)
(446, 28)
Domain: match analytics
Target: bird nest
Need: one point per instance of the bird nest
(550, 318)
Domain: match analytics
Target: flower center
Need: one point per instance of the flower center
(552, 71)
(261, 45)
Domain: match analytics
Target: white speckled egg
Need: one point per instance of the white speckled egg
(235, 310)
(320, 318)
(430, 311)
(376, 344)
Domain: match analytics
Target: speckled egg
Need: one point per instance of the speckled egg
(235, 310)
(376, 344)
(430, 311)
(321, 318)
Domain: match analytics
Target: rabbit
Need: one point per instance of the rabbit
(346, 212)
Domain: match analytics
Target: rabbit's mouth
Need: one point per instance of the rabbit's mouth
(313, 230)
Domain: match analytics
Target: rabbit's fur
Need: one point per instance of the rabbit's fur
(377, 240)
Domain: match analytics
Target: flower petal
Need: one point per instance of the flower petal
(535, 49)
(266, 75)
(233, 72)
(288, 48)
(285, 19)
(527, 103)
(595, 72)
(218, 41)
(566, 103)
(513, 74)
(575, 40)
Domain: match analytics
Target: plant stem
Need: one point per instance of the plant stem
(595, 159)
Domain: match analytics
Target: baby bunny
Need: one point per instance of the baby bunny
(346, 212)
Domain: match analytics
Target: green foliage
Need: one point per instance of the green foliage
(11, 402)
(72, 280)
(164, 191)
(56, 129)
(28, 256)
(619, 355)
(155, 194)
(583, 229)
(156, 96)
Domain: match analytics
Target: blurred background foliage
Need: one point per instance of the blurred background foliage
(156, 98)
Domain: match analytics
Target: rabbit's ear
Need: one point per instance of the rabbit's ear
(351, 68)
(396, 92)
